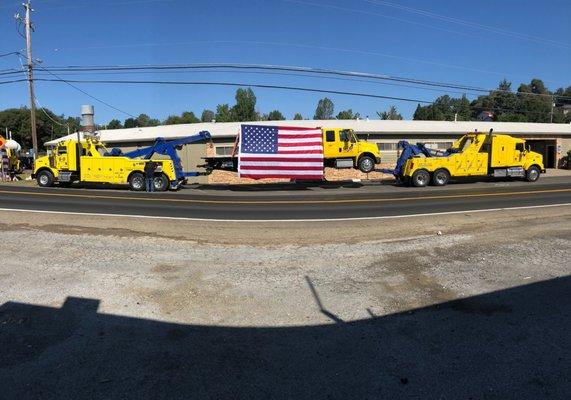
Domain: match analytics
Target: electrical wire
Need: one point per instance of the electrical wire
(470, 24)
(270, 67)
(307, 70)
(236, 84)
(86, 93)
(46, 113)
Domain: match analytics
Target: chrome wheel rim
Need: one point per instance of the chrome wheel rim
(441, 178)
(533, 174)
(367, 164)
(422, 178)
(158, 183)
(44, 179)
(138, 183)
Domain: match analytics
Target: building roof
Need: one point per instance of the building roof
(230, 129)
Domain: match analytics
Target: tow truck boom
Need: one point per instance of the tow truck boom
(169, 148)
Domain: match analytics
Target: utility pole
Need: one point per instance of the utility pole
(29, 29)
(552, 106)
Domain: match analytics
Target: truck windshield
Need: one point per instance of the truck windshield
(464, 143)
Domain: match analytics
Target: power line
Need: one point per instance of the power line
(9, 54)
(352, 10)
(310, 70)
(296, 45)
(234, 84)
(84, 92)
(270, 73)
(270, 67)
(470, 24)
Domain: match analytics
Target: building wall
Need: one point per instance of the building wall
(564, 145)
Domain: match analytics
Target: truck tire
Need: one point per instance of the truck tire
(366, 164)
(45, 178)
(440, 177)
(137, 181)
(532, 174)
(420, 178)
(161, 183)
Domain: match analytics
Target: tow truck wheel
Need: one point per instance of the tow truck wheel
(440, 177)
(161, 183)
(532, 174)
(45, 179)
(420, 178)
(366, 164)
(137, 181)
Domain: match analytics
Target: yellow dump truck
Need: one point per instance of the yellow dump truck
(474, 154)
(90, 161)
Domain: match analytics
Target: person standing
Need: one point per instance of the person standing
(150, 168)
(5, 174)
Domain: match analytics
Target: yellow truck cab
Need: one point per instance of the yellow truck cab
(342, 149)
(90, 161)
(476, 154)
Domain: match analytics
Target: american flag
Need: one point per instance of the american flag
(280, 152)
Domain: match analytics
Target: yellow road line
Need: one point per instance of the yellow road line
(345, 201)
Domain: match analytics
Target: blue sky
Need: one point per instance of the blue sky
(355, 35)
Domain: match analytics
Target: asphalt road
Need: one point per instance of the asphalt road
(291, 201)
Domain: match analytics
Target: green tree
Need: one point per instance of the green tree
(347, 114)
(223, 113)
(172, 120)
(143, 120)
(535, 101)
(445, 108)
(207, 116)
(392, 114)
(245, 107)
(114, 124)
(74, 124)
(48, 125)
(275, 115)
(130, 123)
(188, 117)
(325, 109)
(298, 117)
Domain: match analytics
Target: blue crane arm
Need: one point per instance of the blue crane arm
(411, 150)
(169, 148)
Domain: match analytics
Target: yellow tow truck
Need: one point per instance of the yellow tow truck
(474, 154)
(341, 149)
(89, 160)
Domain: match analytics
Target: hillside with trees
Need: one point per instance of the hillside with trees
(532, 102)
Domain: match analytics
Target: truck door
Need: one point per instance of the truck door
(348, 144)
(62, 159)
(330, 144)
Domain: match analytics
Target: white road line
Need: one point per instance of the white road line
(282, 220)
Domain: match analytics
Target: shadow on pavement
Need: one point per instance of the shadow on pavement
(509, 344)
(282, 186)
